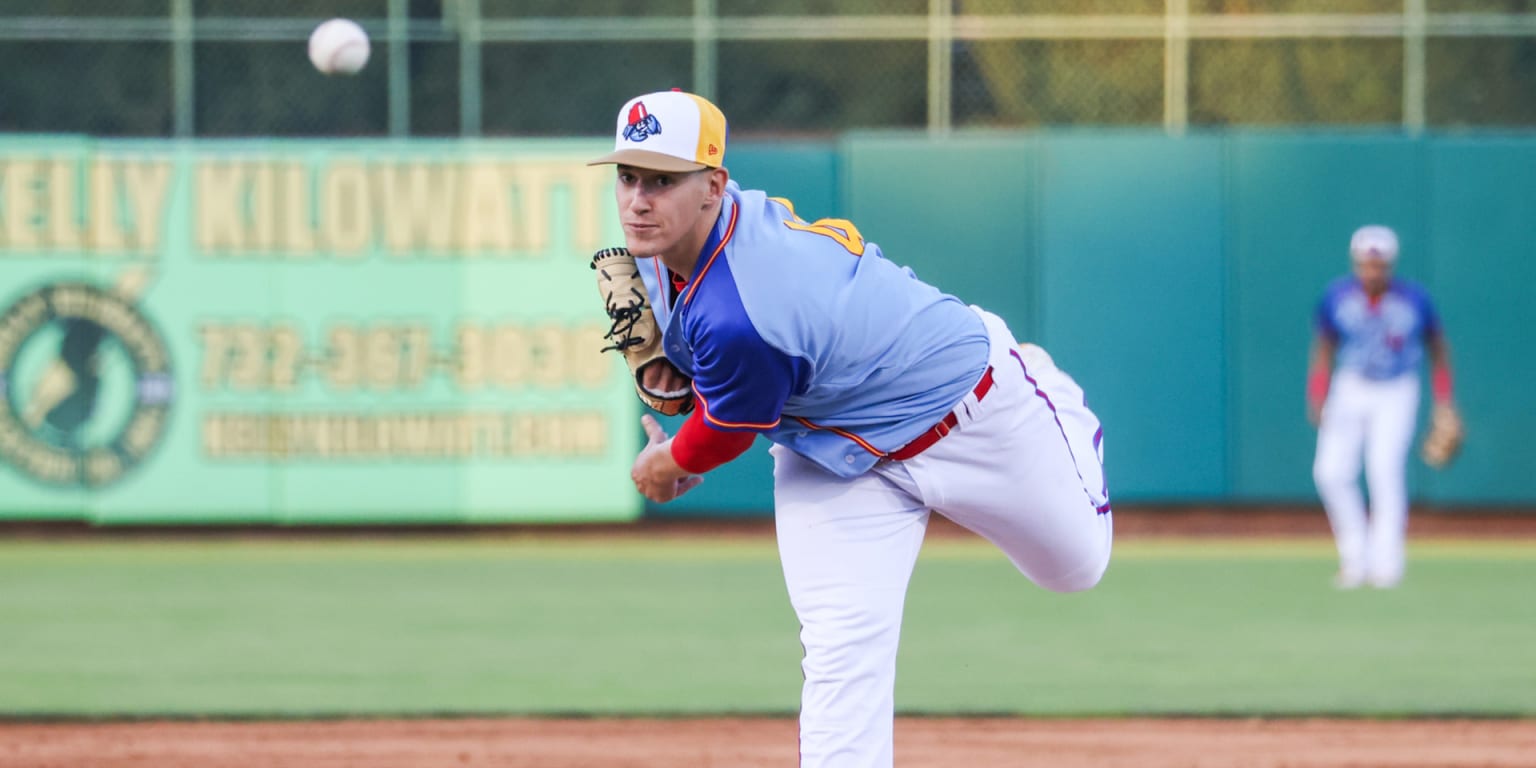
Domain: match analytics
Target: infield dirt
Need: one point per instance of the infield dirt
(755, 743)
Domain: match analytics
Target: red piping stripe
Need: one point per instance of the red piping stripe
(704, 406)
(730, 229)
(661, 281)
(844, 433)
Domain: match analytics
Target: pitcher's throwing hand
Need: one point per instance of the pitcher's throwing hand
(657, 476)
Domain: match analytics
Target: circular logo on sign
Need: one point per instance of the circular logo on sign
(86, 380)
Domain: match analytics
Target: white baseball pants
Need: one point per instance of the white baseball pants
(1375, 419)
(1023, 468)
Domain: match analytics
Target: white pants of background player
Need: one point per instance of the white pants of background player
(1376, 419)
(1023, 468)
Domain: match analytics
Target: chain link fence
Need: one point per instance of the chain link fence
(443, 68)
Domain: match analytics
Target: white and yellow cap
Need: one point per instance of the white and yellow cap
(1374, 243)
(668, 131)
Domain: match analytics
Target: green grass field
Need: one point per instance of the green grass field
(229, 628)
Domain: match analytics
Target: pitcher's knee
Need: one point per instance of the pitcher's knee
(1080, 581)
(1086, 576)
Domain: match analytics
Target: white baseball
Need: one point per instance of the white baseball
(338, 47)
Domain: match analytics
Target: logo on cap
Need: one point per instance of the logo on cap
(642, 124)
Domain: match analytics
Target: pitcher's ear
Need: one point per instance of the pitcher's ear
(718, 178)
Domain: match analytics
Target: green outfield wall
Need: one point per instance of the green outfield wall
(292, 332)
(1175, 278)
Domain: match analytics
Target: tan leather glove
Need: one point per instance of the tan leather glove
(634, 331)
(1446, 434)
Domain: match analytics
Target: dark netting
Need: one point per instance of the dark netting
(799, 87)
(1295, 82)
(1058, 82)
(77, 8)
(1481, 6)
(492, 9)
(548, 89)
(101, 87)
(435, 104)
(1069, 7)
(1480, 81)
(270, 89)
(821, 7)
(351, 9)
(1295, 6)
(800, 67)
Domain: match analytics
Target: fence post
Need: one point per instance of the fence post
(1176, 67)
(399, 70)
(705, 44)
(470, 84)
(941, 93)
(183, 91)
(1414, 18)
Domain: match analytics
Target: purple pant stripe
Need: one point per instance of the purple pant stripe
(1098, 435)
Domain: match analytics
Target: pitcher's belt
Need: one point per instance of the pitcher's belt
(937, 432)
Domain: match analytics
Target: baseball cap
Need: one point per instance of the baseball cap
(1374, 243)
(668, 131)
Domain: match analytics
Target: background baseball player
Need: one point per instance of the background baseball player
(1376, 328)
(884, 398)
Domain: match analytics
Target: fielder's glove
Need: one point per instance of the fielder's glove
(634, 331)
(1446, 433)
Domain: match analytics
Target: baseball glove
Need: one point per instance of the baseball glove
(1446, 433)
(634, 331)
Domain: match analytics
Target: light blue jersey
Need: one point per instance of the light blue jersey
(808, 334)
(1379, 340)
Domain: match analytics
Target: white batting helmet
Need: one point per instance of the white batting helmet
(1374, 243)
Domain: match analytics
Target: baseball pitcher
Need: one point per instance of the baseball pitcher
(884, 398)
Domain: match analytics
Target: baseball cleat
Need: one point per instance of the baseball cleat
(1348, 580)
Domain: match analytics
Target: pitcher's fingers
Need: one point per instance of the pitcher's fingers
(689, 483)
(653, 430)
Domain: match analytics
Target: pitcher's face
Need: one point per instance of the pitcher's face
(661, 211)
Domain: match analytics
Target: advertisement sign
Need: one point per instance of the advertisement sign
(308, 332)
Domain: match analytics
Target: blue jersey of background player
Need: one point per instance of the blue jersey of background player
(1382, 336)
(750, 329)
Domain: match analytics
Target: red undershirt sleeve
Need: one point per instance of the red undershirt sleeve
(698, 447)
(1440, 383)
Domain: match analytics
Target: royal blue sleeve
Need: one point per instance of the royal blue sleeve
(1427, 312)
(741, 381)
(1323, 316)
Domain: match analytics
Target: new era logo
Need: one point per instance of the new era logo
(713, 150)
